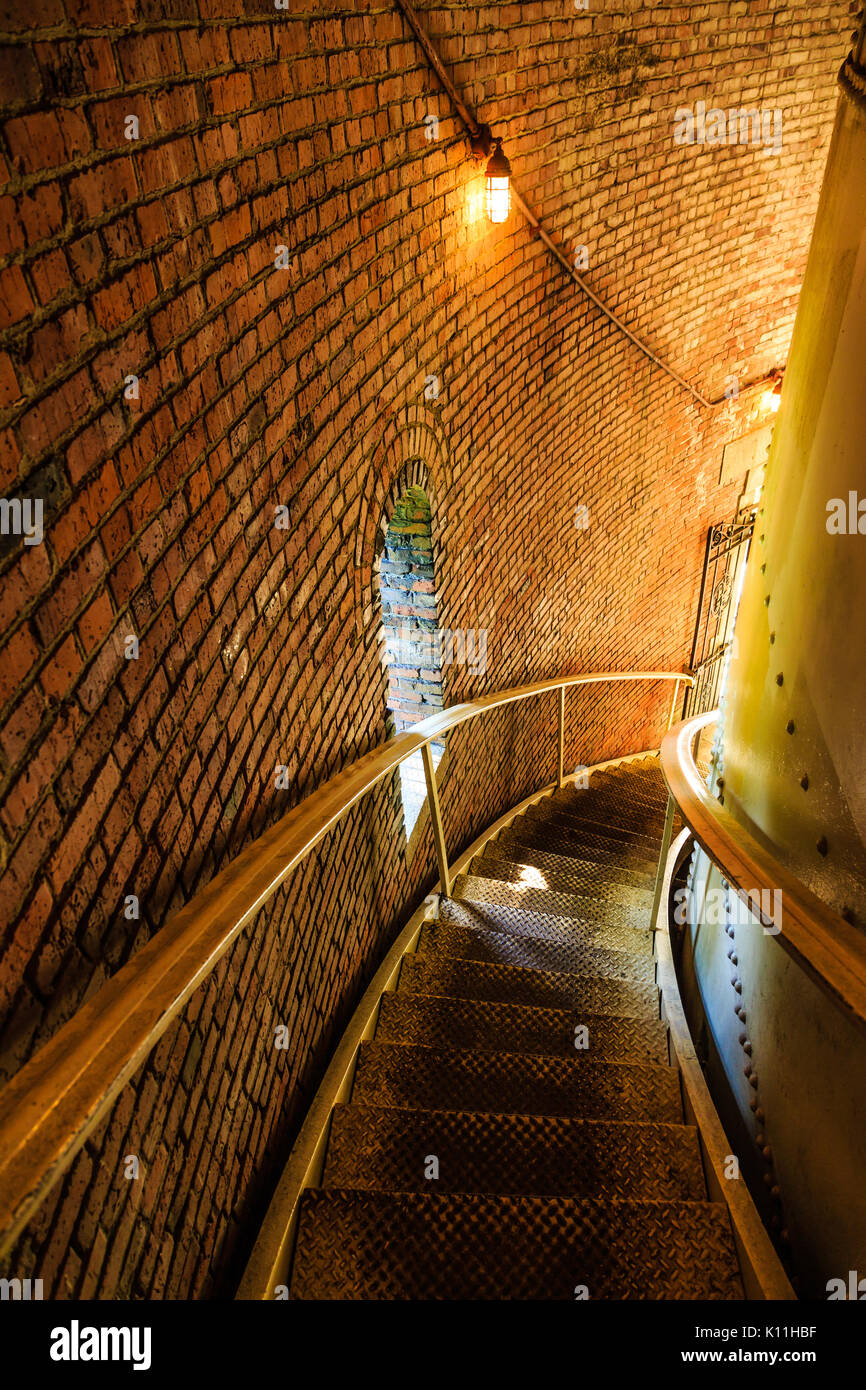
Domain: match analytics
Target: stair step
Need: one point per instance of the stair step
(511, 984)
(556, 1166)
(625, 827)
(384, 1149)
(579, 840)
(620, 805)
(374, 1245)
(436, 1078)
(643, 766)
(472, 888)
(546, 926)
(649, 790)
(569, 954)
(646, 844)
(495, 1027)
(580, 880)
(623, 804)
(509, 845)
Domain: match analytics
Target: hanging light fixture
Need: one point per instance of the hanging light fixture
(498, 184)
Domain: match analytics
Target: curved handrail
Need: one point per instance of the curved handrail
(55, 1101)
(829, 949)
(762, 1271)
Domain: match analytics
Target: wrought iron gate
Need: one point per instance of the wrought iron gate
(721, 582)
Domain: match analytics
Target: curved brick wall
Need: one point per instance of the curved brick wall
(309, 388)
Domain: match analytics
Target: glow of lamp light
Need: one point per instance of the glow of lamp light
(498, 185)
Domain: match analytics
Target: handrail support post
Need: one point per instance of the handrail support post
(436, 822)
(674, 705)
(663, 859)
(560, 777)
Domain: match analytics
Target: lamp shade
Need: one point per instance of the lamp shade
(498, 185)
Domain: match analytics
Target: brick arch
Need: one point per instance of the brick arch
(411, 452)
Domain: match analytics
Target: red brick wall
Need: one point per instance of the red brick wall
(305, 388)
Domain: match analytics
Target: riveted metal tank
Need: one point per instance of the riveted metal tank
(794, 746)
(787, 1067)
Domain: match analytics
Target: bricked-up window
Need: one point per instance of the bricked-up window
(407, 587)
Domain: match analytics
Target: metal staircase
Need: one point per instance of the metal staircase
(485, 1151)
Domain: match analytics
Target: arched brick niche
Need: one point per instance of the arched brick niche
(413, 645)
(406, 573)
(410, 453)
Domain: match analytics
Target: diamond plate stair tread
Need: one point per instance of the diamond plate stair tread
(647, 845)
(648, 768)
(628, 775)
(509, 845)
(385, 1149)
(629, 828)
(545, 926)
(579, 881)
(472, 888)
(647, 800)
(600, 823)
(621, 804)
(432, 1078)
(372, 1245)
(647, 772)
(569, 955)
(652, 786)
(510, 984)
(481, 1025)
(644, 791)
(578, 837)
(649, 789)
(623, 807)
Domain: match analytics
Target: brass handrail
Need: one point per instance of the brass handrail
(762, 1271)
(55, 1101)
(829, 949)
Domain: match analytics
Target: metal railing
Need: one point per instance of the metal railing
(55, 1101)
(829, 949)
(707, 687)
